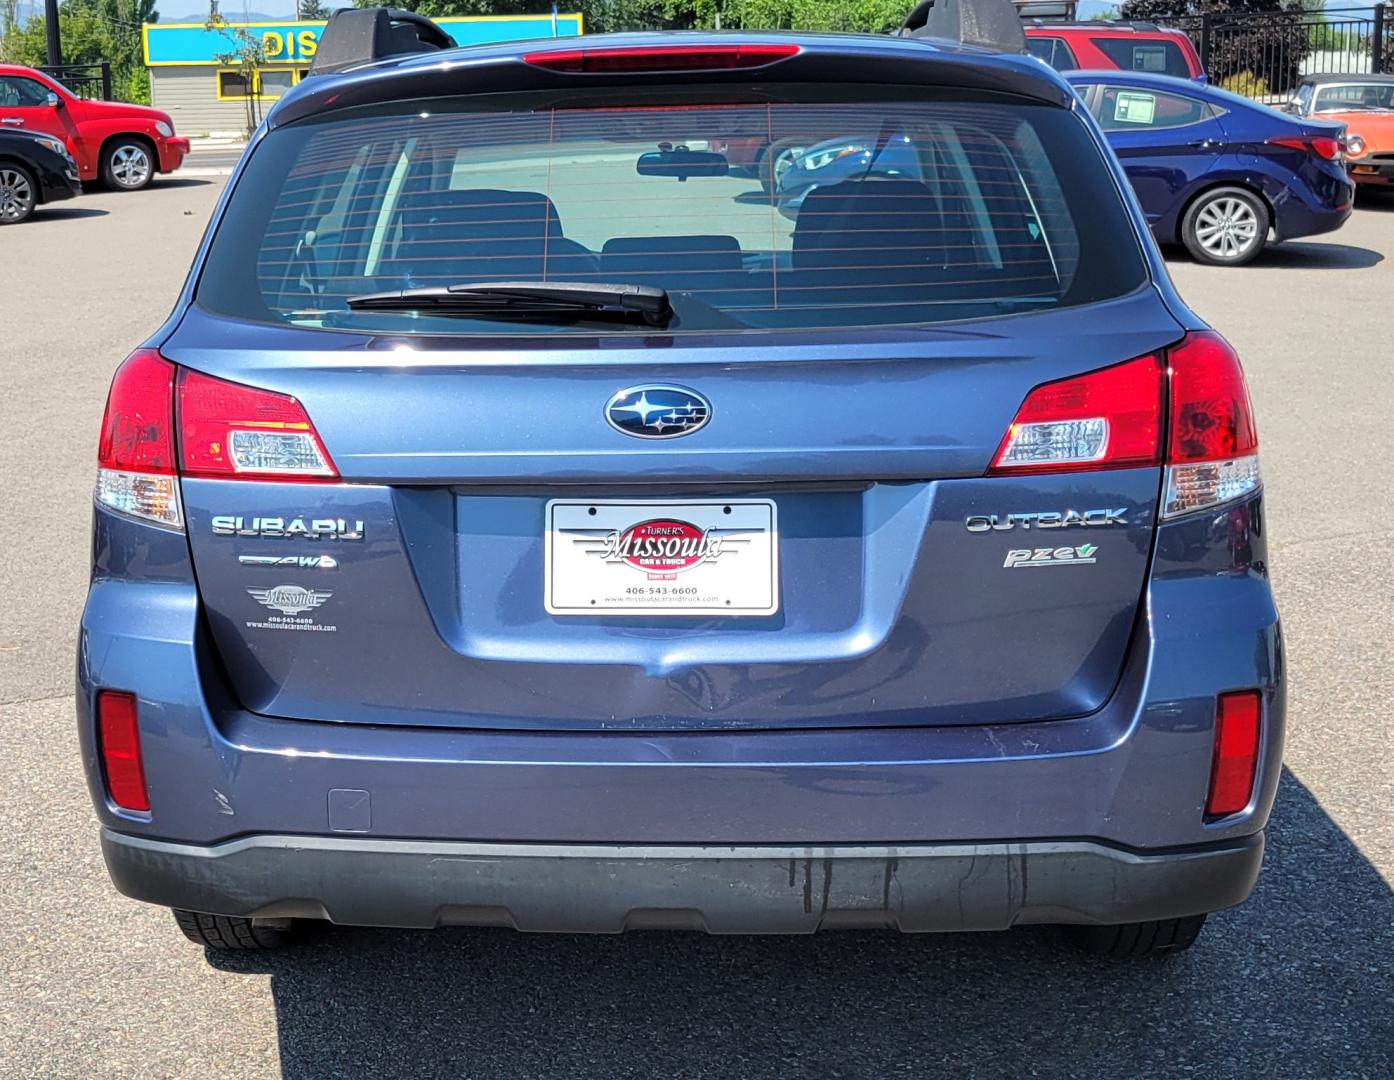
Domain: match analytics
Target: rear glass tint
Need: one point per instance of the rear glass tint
(1158, 57)
(778, 215)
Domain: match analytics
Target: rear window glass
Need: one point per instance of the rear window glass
(1053, 51)
(1159, 57)
(779, 215)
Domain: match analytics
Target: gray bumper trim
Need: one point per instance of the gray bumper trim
(607, 889)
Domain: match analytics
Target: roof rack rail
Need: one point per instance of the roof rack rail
(1098, 24)
(361, 35)
(991, 23)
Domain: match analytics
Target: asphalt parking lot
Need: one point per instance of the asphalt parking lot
(1299, 982)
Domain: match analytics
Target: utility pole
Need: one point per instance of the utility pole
(55, 45)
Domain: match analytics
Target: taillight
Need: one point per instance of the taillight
(1212, 445)
(1107, 419)
(135, 458)
(227, 430)
(1326, 147)
(118, 735)
(660, 58)
(1236, 753)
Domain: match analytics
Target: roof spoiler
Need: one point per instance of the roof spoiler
(991, 23)
(361, 35)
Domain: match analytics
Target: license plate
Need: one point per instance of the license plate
(704, 557)
(1365, 168)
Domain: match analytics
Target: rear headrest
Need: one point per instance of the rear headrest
(865, 213)
(491, 213)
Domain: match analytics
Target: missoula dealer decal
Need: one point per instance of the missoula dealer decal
(663, 549)
(292, 602)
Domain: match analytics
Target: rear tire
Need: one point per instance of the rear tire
(1225, 226)
(776, 159)
(1137, 939)
(229, 933)
(19, 193)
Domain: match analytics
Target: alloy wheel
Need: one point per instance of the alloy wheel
(16, 195)
(1227, 227)
(130, 166)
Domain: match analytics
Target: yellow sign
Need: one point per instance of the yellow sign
(290, 45)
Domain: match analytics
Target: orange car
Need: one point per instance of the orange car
(1365, 104)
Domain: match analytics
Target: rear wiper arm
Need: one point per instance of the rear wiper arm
(526, 298)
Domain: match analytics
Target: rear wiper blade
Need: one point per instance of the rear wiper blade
(526, 298)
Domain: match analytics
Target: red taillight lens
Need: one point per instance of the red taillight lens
(660, 58)
(1236, 753)
(138, 428)
(1107, 419)
(135, 455)
(1211, 417)
(1325, 147)
(118, 732)
(1212, 445)
(226, 429)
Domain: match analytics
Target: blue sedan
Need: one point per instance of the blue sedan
(1215, 171)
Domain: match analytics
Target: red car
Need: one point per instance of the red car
(121, 145)
(1128, 46)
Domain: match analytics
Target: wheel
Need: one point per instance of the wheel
(18, 193)
(228, 932)
(127, 164)
(1225, 227)
(1138, 938)
(780, 156)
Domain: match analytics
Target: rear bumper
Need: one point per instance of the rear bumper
(730, 890)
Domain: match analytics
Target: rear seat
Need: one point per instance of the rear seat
(701, 265)
(484, 234)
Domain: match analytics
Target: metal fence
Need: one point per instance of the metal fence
(1266, 54)
(84, 80)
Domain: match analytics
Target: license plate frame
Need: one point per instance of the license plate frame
(589, 569)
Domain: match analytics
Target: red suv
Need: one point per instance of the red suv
(1129, 46)
(121, 145)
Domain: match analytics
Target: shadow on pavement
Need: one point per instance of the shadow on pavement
(178, 182)
(1294, 983)
(61, 213)
(1297, 255)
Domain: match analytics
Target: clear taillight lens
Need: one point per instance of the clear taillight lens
(135, 457)
(230, 430)
(1212, 447)
(1107, 419)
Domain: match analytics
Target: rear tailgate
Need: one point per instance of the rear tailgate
(895, 603)
(828, 400)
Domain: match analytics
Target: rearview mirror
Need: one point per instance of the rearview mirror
(54, 101)
(682, 163)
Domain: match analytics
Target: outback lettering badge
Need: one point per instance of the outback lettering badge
(280, 528)
(1063, 519)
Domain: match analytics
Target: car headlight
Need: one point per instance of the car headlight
(56, 145)
(822, 158)
(164, 129)
(1355, 145)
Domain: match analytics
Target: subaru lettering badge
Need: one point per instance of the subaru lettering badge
(657, 412)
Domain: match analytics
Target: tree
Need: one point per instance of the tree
(92, 31)
(313, 10)
(1268, 39)
(246, 53)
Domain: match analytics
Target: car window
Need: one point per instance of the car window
(892, 211)
(1123, 108)
(1054, 51)
(1304, 97)
(1355, 96)
(1157, 57)
(19, 92)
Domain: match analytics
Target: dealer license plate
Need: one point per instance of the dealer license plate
(706, 557)
(1366, 169)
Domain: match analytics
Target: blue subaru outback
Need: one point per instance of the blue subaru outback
(520, 522)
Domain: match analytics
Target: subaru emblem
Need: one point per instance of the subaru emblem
(657, 412)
